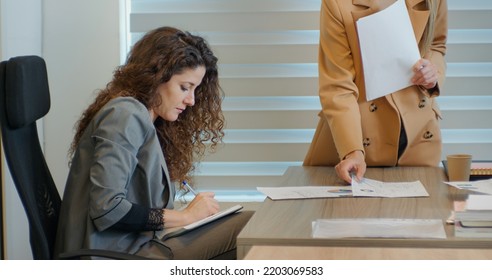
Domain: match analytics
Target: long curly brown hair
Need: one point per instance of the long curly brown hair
(153, 60)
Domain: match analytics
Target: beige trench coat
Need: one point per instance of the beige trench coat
(347, 121)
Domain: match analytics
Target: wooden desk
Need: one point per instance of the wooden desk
(364, 253)
(288, 222)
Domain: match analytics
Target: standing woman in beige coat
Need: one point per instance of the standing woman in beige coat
(399, 129)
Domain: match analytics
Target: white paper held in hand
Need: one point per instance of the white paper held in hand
(389, 50)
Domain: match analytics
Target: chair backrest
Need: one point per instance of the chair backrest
(25, 98)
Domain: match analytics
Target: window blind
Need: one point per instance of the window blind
(267, 52)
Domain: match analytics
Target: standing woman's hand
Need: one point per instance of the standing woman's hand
(425, 74)
(352, 163)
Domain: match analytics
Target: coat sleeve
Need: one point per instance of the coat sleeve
(337, 89)
(437, 49)
(120, 131)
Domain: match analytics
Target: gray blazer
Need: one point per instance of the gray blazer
(118, 162)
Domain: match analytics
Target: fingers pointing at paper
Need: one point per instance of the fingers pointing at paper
(426, 74)
(352, 163)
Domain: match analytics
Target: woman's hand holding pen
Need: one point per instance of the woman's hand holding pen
(355, 163)
(426, 74)
(203, 205)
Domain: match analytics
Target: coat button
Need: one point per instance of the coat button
(428, 135)
(422, 103)
(366, 142)
(373, 107)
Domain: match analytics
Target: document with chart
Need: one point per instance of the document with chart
(374, 188)
(278, 193)
(364, 188)
(480, 186)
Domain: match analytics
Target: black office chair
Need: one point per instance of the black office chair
(25, 98)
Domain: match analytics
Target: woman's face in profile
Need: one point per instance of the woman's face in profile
(178, 93)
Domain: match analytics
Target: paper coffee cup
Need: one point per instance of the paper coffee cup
(459, 167)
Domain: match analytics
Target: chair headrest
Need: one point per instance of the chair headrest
(27, 93)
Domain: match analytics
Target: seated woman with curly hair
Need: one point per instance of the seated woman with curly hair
(142, 133)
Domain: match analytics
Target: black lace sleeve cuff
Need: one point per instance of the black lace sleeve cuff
(155, 219)
(141, 218)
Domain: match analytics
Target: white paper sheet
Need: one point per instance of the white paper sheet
(481, 186)
(278, 193)
(378, 228)
(479, 202)
(389, 50)
(374, 188)
(366, 187)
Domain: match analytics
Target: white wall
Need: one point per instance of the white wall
(80, 42)
(20, 34)
(81, 48)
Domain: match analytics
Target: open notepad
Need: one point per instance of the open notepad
(166, 234)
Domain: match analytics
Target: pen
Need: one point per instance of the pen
(189, 187)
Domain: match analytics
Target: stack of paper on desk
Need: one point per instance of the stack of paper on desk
(475, 220)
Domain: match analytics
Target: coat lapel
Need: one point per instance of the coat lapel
(416, 10)
(367, 7)
(419, 15)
